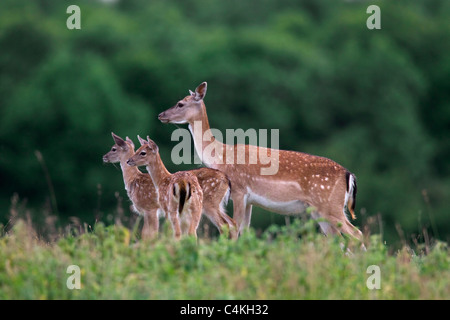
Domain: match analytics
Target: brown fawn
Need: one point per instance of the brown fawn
(301, 179)
(139, 185)
(216, 191)
(179, 194)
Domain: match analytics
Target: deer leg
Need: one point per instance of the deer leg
(193, 228)
(336, 215)
(175, 222)
(355, 232)
(350, 229)
(247, 217)
(220, 219)
(213, 216)
(151, 224)
(185, 225)
(238, 208)
(195, 221)
(326, 227)
(339, 219)
(337, 225)
(146, 233)
(241, 212)
(230, 223)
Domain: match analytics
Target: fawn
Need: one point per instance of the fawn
(216, 189)
(179, 194)
(139, 185)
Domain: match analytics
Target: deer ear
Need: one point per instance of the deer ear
(191, 93)
(142, 141)
(152, 145)
(130, 141)
(118, 140)
(200, 91)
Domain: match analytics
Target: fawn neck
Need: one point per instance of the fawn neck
(157, 170)
(130, 173)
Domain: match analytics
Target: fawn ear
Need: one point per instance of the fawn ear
(130, 141)
(152, 145)
(142, 141)
(118, 140)
(200, 91)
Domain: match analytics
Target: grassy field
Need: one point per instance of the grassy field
(289, 262)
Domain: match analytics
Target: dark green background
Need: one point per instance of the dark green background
(376, 101)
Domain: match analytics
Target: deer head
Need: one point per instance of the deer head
(147, 154)
(188, 109)
(120, 150)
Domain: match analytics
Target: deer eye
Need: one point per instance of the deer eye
(114, 149)
(143, 153)
(180, 105)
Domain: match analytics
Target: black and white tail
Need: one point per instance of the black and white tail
(350, 194)
(182, 191)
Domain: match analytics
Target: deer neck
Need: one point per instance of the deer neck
(203, 138)
(130, 173)
(157, 171)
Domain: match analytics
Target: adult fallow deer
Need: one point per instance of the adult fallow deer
(301, 179)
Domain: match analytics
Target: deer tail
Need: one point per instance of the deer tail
(350, 194)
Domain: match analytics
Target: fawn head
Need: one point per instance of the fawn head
(120, 150)
(188, 109)
(146, 154)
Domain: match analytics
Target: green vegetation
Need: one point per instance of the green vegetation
(291, 262)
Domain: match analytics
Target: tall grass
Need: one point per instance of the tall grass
(284, 262)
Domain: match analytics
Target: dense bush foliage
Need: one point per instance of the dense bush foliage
(284, 263)
(375, 101)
